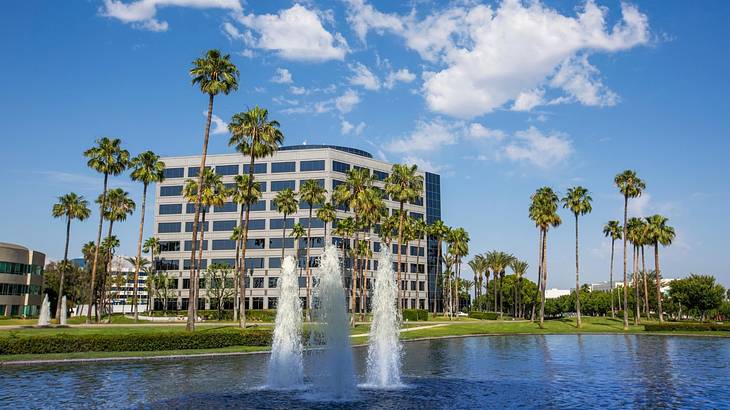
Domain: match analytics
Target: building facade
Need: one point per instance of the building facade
(290, 167)
(21, 280)
(122, 286)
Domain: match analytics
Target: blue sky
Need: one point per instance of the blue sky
(500, 98)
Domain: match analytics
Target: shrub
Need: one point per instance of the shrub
(484, 315)
(415, 315)
(261, 315)
(67, 343)
(680, 326)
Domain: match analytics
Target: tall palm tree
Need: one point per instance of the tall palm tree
(146, 168)
(519, 268)
(344, 229)
(326, 213)
(659, 233)
(298, 232)
(499, 261)
(578, 201)
(459, 248)
(246, 192)
(108, 158)
(69, 206)
(614, 230)
(418, 228)
(371, 208)
(449, 262)
(313, 195)
(214, 73)
(140, 264)
(403, 185)
(286, 203)
(634, 229)
(642, 241)
(543, 211)
(151, 246)
(256, 136)
(439, 231)
(630, 186)
(478, 265)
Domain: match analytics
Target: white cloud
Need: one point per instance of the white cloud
(485, 57)
(402, 75)
(296, 33)
(141, 13)
(218, 126)
(298, 90)
(347, 101)
(527, 100)
(421, 163)
(536, 148)
(363, 77)
(346, 128)
(282, 76)
(428, 136)
(479, 132)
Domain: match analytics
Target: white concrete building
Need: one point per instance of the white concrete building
(122, 285)
(555, 293)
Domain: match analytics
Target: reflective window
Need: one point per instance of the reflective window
(170, 209)
(171, 190)
(256, 243)
(338, 166)
(223, 244)
(256, 224)
(316, 165)
(226, 169)
(316, 222)
(173, 173)
(282, 185)
(275, 243)
(168, 227)
(259, 206)
(169, 246)
(189, 245)
(189, 226)
(253, 263)
(164, 264)
(190, 208)
(380, 175)
(230, 262)
(202, 264)
(273, 281)
(224, 225)
(193, 171)
(274, 263)
(257, 168)
(278, 223)
(277, 167)
(227, 207)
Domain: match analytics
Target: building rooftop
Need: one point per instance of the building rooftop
(318, 146)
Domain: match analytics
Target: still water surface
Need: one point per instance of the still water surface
(555, 371)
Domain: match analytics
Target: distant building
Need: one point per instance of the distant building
(122, 286)
(556, 293)
(21, 280)
(601, 286)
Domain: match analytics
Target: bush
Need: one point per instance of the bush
(261, 315)
(66, 343)
(415, 315)
(484, 315)
(680, 326)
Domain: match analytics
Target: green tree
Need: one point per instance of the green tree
(327, 214)
(313, 194)
(214, 73)
(418, 228)
(630, 186)
(286, 203)
(459, 247)
(151, 246)
(439, 231)
(698, 293)
(403, 185)
(478, 265)
(658, 232)
(614, 230)
(543, 211)
(370, 209)
(69, 206)
(578, 201)
(108, 158)
(217, 278)
(246, 192)
(146, 168)
(498, 261)
(519, 268)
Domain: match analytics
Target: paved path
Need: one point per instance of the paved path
(407, 329)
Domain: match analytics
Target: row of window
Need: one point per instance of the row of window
(229, 225)
(260, 302)
(177, 209)
(272, 282)
(251, 243)
(20, 268)
(276, 167)
(17, 289)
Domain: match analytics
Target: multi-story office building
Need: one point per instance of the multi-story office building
(288, 168)
(121, 291)
(21, 280)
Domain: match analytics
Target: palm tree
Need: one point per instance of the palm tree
(630, 186)
(255, 136)
(326, 213)
(108, 247)
(246, 192)
(642, 241)
(418, 228)
(403, 185)
(146, 168)
(214, 73)
(614, 230)
(449, 261)
(345, 228)
(499, 261)
(459, 248)
(313, 194)
(140, 264)
(578, 201)
(371, 208)
(106, 157)
(151, 246)
(69, 206)
(543, 211)
(635, 226)
(659, 233)
(298, 232)
(439, 231)
(519, 268)
(478, 265)
(286, 203)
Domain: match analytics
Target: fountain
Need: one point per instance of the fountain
(62, 319)
(285, 362)
(337, 378)
(44, 318)
(384, 346)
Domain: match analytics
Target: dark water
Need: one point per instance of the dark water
(608, 371)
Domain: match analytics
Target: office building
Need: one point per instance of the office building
(21, 280)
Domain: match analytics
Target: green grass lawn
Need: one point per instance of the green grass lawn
(96, 355)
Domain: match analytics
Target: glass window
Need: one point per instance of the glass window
(259, 206)
(316, 241)
(336, 183)
(416, 251)
(273, 302)
(278, 223)
(193, 171)
(380, 175)
(223, 244)
(316, 222)
(226, 169)
(274, 263)
(188, 246)
(256, 224)
(282, 185)
(257, 168)
(168, 227)
(190, 208)
(230, 262)
(275, 243)
(203, 264)
(316, 165)
(171, 190)
(224, 225)
(273, 282)
(320, 182)
(376, 246)
(257, 303)
(254, 263)
(169, 246)
(338, 166)
(416, 215)
(164, 264)
(189, 226)
(277, 167)
(227, 207)
(255, 243)
(173, 173)
(170, 209)
(258, 283)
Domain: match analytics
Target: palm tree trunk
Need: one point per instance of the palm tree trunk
(613, 310)
(495, 281)
(636, 286)
(501, 294)
(646, 287)
(544, 279)
(244, 245)
(309, 271)
(283, 239)
(63, 270)
(200, 259)
(577, 276)
(436, 276)
(418, 260)
(193, 293)
(139, 254)
(92, 290)
(539, 275)
(658, 282)
(400, 242)
(626, 282)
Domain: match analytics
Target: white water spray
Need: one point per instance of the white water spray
(285, 362)
(384, 347)
(44, 318)
(62, 319)
(337, 379)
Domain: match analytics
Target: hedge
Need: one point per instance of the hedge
(415, 315)
(484, 315)
(66, 343)
(679, 326)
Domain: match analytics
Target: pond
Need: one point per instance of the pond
(555, 371)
